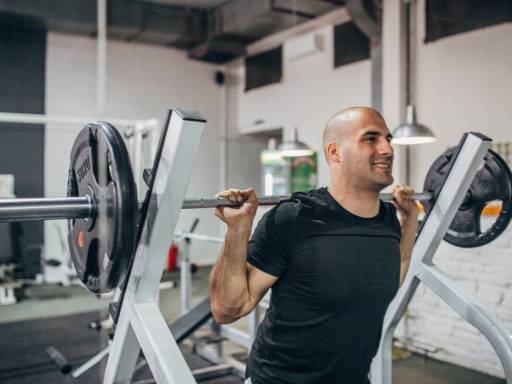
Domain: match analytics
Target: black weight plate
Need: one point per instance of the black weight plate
(101, 247)
(493, 181)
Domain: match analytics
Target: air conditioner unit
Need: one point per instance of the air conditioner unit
(304, 45)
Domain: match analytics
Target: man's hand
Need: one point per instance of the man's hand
(236, 286)
(240, 217)
(405, 203)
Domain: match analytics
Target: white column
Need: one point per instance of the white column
(393, 75)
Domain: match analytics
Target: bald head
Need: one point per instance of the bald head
(346, 120)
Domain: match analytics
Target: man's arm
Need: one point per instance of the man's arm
(408, 210)
(408, 228)
(235, 285)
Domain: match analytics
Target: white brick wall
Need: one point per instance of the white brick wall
(486, 274)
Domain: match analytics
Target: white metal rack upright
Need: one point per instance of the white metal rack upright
(140, 324)
(423, 270)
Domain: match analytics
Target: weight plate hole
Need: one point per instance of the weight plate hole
(101, 163)
(92, 267)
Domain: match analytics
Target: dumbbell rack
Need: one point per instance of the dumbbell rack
(468, 159)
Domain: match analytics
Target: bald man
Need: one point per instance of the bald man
(334, 258)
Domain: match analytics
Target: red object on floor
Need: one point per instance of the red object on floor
(172, 257)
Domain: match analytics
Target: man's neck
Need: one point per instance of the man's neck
(360, 202)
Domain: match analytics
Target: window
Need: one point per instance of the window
(446, 18)
(263, 69)
(350, 44)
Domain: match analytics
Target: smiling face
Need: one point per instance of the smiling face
(358, 148)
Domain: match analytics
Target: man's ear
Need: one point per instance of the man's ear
(332, 152)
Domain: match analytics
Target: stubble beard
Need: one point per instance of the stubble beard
(370, 180)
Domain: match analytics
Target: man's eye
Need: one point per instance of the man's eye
(370, 138)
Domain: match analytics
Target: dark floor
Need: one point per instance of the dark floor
(420, 370)
(23, 359)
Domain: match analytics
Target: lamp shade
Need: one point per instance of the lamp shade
(294, 148)
(411, 132)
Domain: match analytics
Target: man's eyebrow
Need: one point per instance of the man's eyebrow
(376, 133)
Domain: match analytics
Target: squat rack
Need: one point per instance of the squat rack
(465, 164)
(141, 325)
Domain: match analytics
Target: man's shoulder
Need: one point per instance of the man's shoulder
(309, 198)
(299, 202)
(284, 215)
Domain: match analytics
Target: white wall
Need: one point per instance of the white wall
(463, 84)
(311, 91)
(143, 81)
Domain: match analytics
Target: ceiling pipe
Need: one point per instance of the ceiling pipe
(411, 132)
(373, 30)
(101, 57)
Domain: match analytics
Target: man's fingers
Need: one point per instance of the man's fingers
(238, 195)
(219, 212)
(249, 195)
(232, 194)
(408, 192)
(403, 192)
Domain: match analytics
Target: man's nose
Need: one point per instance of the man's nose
(385, 147)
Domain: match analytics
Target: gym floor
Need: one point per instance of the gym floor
(59, 316)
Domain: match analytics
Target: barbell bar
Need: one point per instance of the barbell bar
(25, 209)
(101, 206)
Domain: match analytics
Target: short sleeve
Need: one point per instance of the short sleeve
(270, 242)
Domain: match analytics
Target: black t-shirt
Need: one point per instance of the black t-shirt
(337, 274)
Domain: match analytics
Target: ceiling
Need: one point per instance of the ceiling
(209, 30)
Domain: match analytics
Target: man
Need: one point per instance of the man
(334, 258)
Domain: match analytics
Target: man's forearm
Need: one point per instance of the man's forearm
(228, 281)
(408, 235)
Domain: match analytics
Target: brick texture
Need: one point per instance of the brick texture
(486, 274)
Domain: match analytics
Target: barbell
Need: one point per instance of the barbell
(85, 208)
(102, 207)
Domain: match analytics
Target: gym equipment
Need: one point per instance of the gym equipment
(464, 164)
(225, 331)
(84, 207)
(58, 359)
(492, 182)
(101, 245)
(101, 206)
(140, 324)
(181, 329)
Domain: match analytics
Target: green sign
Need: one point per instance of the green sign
(304, 173)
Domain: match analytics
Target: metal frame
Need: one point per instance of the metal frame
(140, 323)
(422, 269)
(229, 332)
(62, 273)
